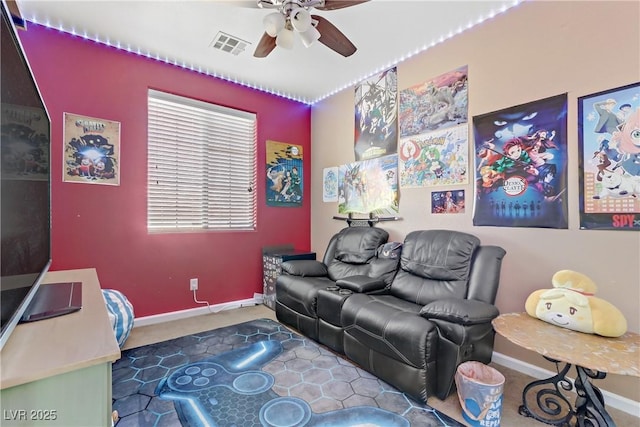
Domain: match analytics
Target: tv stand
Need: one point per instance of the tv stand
(57, 372)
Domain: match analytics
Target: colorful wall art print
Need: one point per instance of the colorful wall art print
(435, 158)
(447, 202)
(369, 186)
(439, 103)
(433, 148)
(24, 143)
(376, 107)
(91, 150)
(330, 184)
(284, 174)
(609, 156)
(521, 165)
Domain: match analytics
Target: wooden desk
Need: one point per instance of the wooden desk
(60, 368)
(593, 356)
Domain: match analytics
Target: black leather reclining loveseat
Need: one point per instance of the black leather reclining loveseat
(414, 330)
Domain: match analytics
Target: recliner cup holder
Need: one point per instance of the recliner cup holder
(333, 288)
(345, 292)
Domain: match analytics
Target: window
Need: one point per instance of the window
(201, 166)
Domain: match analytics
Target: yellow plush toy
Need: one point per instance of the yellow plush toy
(571, 304)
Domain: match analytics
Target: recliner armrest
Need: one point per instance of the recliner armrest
(460, 311)
(361, 284)
(305, 267)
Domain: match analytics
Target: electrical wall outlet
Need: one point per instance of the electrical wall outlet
(193, 284)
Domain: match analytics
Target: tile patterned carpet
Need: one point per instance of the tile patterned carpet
(256, 373)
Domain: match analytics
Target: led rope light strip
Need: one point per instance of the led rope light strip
(261, 88)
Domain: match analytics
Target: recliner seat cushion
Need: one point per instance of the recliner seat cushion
(300, 294)
(390, 326)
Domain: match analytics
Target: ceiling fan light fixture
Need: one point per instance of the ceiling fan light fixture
(310, 36)
(285, 39)
(300, 20)
(273, 23)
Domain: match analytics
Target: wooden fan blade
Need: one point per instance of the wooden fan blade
(339, 4)
(265, 46)
(333, 38)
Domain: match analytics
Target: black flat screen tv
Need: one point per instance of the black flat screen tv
(25, 183)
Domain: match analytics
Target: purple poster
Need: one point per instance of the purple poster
(521, 165)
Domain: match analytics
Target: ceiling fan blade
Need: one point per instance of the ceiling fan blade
(333, 38)
(339, 4)
(265, 46)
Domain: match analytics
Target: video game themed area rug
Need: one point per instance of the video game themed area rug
(256, 373)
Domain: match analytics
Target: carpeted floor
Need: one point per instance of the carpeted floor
(256, 373)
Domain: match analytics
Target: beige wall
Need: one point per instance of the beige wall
(536, 50)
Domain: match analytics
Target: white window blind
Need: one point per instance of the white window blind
(201, 166)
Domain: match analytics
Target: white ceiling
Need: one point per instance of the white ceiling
(181, 32)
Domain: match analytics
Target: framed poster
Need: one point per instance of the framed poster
(91, 150)
(609, 159)
(284, 174)
(376, 113)
(521, 165)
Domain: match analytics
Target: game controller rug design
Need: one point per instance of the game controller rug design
(256, 373)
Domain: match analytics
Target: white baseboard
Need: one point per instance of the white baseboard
(612, 400)
(199, 311)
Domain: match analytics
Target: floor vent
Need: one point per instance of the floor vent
(228, 43)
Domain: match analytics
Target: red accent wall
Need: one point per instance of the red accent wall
(105, 226)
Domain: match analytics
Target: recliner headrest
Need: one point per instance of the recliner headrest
(357, 245)
(439, 254)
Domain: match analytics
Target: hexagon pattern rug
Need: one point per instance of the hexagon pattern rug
(256, 373)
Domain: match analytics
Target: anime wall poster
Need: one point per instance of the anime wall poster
(376, 106)
(284, 174)
(369, 186)
(91, 150)
(439, 103)
(433, 117)
(446, 202)
(521, 165)
(435, 158)
(24, 143)
(330, 184)
(609, 158)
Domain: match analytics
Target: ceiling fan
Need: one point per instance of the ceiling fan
(293, 17)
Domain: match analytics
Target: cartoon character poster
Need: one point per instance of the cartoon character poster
(376, 105)
(447, 202)
(609, 155)
(369, 187)
(91, 150)
(330, 184)
(433, 117)
(435, 158)
(284, 174)
(24, 143)
(435, 104)
(521, 165)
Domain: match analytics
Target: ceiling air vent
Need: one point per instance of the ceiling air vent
(228, 43)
